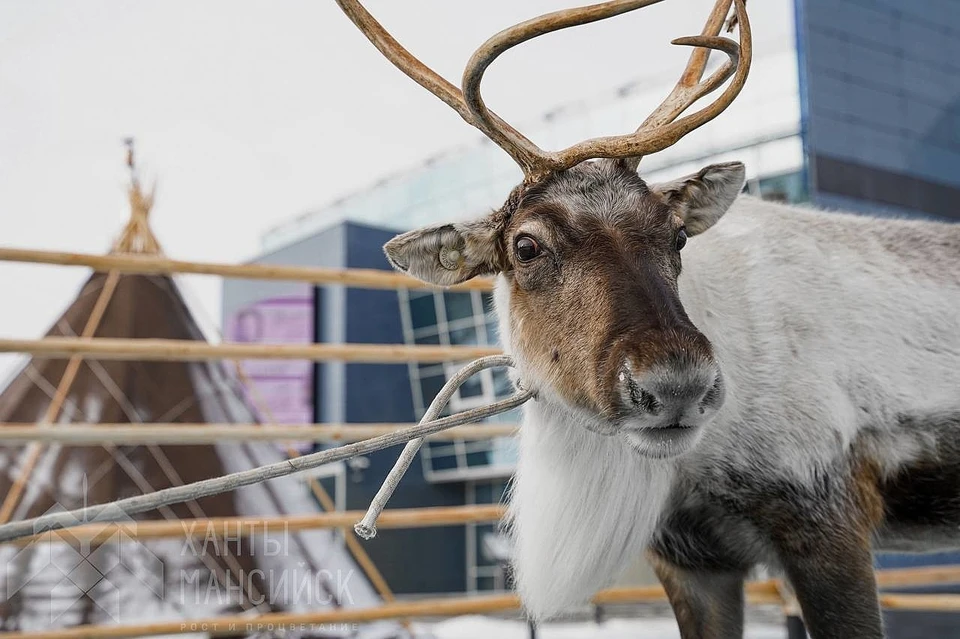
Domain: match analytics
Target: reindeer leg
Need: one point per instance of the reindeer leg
(834, 584)
(708, 604)
(824, 546)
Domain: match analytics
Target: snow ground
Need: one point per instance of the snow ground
(478, 627)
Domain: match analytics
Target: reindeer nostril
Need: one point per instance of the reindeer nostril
(642, 398)
(713, 395)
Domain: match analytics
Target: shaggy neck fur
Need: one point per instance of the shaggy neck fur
(583, 505)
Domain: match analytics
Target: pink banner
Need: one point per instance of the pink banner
(283, 387)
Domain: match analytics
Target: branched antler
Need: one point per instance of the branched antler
(659, 131)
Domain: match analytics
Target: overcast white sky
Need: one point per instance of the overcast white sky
(252, 112)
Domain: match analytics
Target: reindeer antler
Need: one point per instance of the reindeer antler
(660, 130)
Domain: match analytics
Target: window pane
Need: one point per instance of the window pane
(501, 383)
(464, 335)
(428, 370)
(430, 386)
(493, 332)
(429, 338)
(784, 188)
(473, 387)
(459, 305)
(441, 459)
(486, 583)
(423, 312)
(484, 532)
(480, 458)
(504, 451)
(484, 493)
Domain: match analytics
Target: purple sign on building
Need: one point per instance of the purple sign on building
(282, 390)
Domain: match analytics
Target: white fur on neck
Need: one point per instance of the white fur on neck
(583, 507)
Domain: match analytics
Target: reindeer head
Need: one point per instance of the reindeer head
(588, 252)
(589, 261)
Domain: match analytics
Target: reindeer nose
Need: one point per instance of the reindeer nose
(675, 395)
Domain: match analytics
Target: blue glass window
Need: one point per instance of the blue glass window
(423, 311)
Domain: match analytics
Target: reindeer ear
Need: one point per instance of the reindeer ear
(702, 198)
(447, 254)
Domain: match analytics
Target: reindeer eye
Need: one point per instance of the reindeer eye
(681, 238)
(527, 248)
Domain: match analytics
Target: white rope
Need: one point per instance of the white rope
(122, 509)
(367, 527)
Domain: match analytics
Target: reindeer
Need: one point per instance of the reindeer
(784, 391)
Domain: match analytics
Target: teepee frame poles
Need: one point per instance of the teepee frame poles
(159, 265)
(56, 404)
(137, 237)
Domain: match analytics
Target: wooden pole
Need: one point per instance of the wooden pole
(172, 434)
(929, 603)
(158, 265)
(191, 350)
(920, 576)
(56, 404)
(235, 527)
(757, 593)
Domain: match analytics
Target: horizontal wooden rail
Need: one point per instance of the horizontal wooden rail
(173, 434)
(236, 527)
(233, 527)
(757, 593)
(104, 348)
(155, 265)
(918, 576)
(928, 603)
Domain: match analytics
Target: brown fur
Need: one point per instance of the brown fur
(621, 263)
(707, 605)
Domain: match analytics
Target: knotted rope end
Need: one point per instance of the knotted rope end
(364, 531)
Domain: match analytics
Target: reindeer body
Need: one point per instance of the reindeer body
(786, 393)
(839, 339)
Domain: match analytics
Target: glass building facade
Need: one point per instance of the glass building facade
(881, 82)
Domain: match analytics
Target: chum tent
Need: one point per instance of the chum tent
(55, 584)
